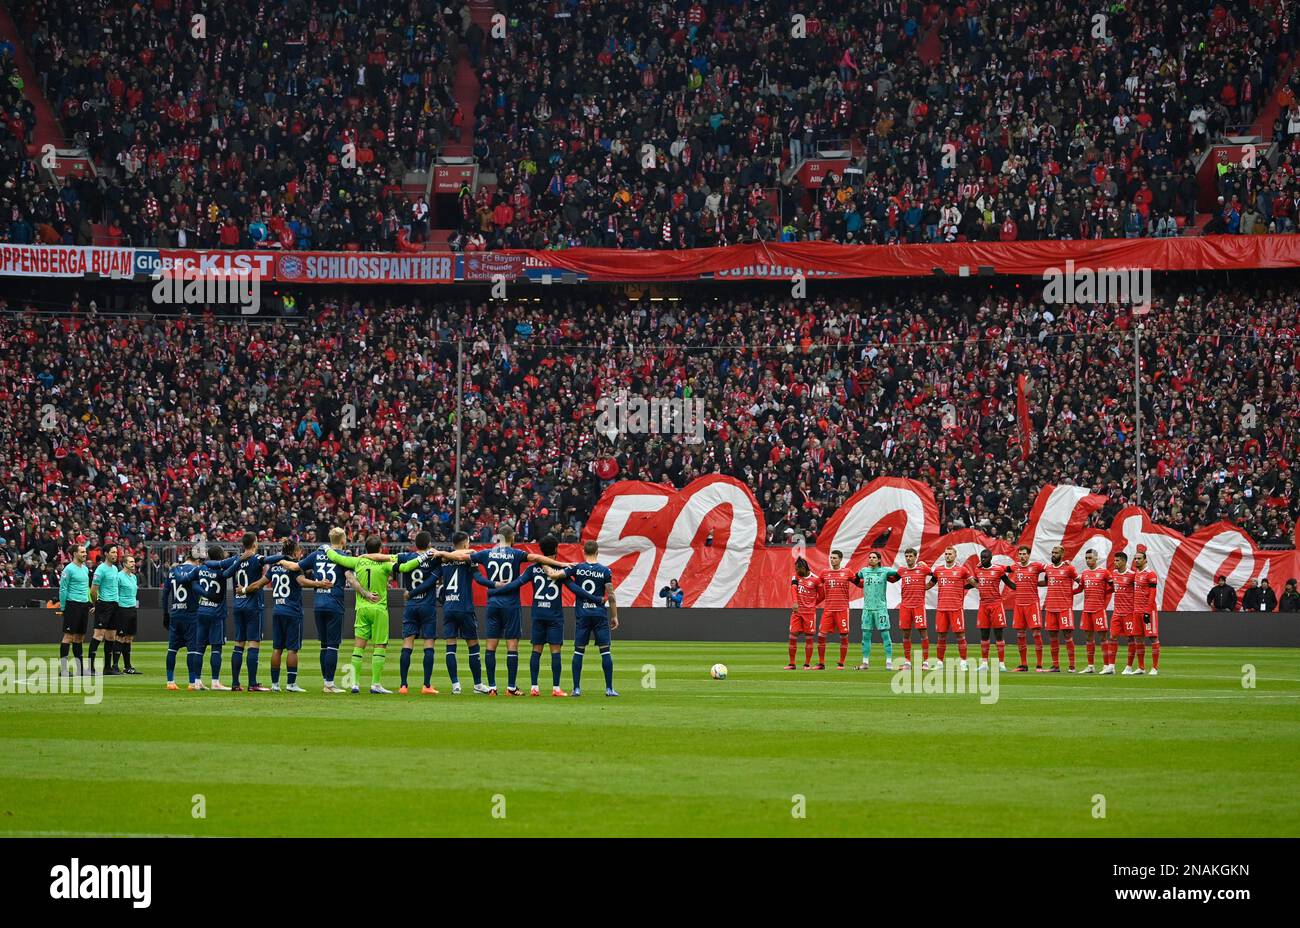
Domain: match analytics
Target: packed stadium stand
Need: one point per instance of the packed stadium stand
(168, 426)
(313, 125)
(636, 125)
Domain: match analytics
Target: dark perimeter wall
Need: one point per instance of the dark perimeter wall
(23, 620)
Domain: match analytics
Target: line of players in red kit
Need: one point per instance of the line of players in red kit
(1134, 618)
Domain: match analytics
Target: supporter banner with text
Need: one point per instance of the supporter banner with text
(782, 261)
(710, 536)
(759, 261)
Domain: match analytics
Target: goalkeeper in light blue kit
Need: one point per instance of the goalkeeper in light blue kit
(875, 614)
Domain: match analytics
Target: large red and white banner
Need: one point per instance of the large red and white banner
(758, 261)
(710, 536)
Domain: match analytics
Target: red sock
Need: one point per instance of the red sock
(807, 651)
(844, 649)
(1155, 654)
(907, 649)
(984, 650)
(1038, 647)
(1002, 652)
(941, 648)
(1142, 654)
(1069, 650)
(1024, 652)
(961, 648)
(1056, 653)
(1131, 652)
(1092, 651)
(794, 649)
(821, 650)
(925, 649)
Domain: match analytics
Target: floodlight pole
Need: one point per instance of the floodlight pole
(460, 411)
(1137, 409)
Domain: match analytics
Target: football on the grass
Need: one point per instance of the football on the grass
(718, 671)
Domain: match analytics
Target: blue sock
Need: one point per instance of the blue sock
(556, 664)
(607, 664)
(171, 666)
(275, 674)
(194, 664)
(512, 668)
(252, 665)
(490, 659)
(451, 663)
(577, 667)
(215, 662)
(293, 674)
(534, 666)
(404, 662)
(236, 664)
(474, 666)
(329, 663)
(428, 666)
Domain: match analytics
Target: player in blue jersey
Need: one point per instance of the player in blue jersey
(250, 609)
(593, 620)
(210, 585)
(456, 579)
(179, 619)
(505, 617)
(420, 614)
(547, 617)
(328, 607)
(287, 579)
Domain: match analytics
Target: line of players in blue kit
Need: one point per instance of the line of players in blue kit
(194, 612)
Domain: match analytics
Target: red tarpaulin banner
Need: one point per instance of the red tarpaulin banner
(782, 261)
(710, 536)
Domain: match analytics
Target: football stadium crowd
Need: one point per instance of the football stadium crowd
(290, 125)
(181, 427)
(968, 121)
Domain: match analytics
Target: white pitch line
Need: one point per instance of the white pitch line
(89, 834)
(1115, 698)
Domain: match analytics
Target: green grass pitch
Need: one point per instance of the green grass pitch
(1191, 752)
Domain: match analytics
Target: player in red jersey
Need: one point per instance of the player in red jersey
(1121, 619)
(953, 580)
(1096, 585)
(835, 614)
(807, 590)
(1059, 577)
(1025, 576)
(1146, 620)
(989, 578)
(916, 579)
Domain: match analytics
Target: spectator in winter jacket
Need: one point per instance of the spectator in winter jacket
(1222, 598)
(1290, 598)
(1259, 598)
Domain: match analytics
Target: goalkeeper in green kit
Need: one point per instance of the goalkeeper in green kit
(373, 572)
(875, 615)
